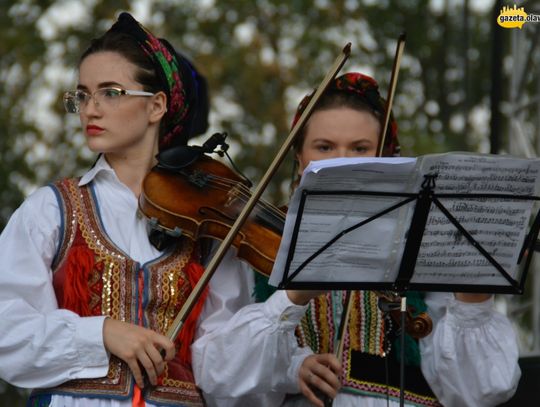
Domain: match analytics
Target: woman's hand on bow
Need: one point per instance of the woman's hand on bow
(138, 347)
(319, 374)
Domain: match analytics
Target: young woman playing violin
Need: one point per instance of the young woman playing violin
(84, 296)
(469, 359)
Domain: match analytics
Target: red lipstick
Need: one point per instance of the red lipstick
(93, 130)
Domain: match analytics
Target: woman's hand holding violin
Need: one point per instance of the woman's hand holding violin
(138, 347)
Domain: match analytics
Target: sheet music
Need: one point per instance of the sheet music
(372, 253)
(499, 225)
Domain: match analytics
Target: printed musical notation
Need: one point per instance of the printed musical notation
(498, 224)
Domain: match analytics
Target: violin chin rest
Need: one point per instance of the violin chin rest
(176, 158)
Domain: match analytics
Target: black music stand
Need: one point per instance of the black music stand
(424, 201)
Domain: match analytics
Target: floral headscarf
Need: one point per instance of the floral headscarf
(367, 90)
(176, 74)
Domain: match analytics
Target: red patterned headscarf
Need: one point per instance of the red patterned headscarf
(174, 75)
(367, 91)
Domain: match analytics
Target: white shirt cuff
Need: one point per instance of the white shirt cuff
(89, 339)
(278, 308)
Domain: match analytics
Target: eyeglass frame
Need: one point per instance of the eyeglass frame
(70, 94)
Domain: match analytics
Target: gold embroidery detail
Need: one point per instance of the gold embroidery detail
(107, 287)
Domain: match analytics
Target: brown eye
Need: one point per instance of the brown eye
(323, 148)
(361, 149)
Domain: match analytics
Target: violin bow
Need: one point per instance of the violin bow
(226, 243)
(391, 91)
(388, 109)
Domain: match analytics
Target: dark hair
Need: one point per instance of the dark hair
(335, 98)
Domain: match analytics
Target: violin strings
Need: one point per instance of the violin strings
(242, 189)
(244, 194)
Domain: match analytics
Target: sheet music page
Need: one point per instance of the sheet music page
(499, 225)
(365, 254)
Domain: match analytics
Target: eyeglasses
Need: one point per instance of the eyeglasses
(105, 97)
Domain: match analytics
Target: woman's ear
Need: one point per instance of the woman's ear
(158, 107)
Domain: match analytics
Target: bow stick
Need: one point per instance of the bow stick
(391, 91)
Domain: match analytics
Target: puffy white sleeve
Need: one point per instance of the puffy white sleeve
(246, 354)
(471, 357)
(41, 345)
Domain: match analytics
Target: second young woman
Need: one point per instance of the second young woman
(470, 358)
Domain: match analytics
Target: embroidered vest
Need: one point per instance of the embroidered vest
(94, 277)
(367, 354)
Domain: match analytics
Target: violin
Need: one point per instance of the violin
(203, 199)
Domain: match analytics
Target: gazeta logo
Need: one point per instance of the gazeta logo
(512, 17)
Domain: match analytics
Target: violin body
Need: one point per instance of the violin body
(202, 200)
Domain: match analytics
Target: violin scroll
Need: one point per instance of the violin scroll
(418, 326)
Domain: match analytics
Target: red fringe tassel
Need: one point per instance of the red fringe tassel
(194, 272)
(79, 266)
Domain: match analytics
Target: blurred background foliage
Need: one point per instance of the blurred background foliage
(259, 57)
